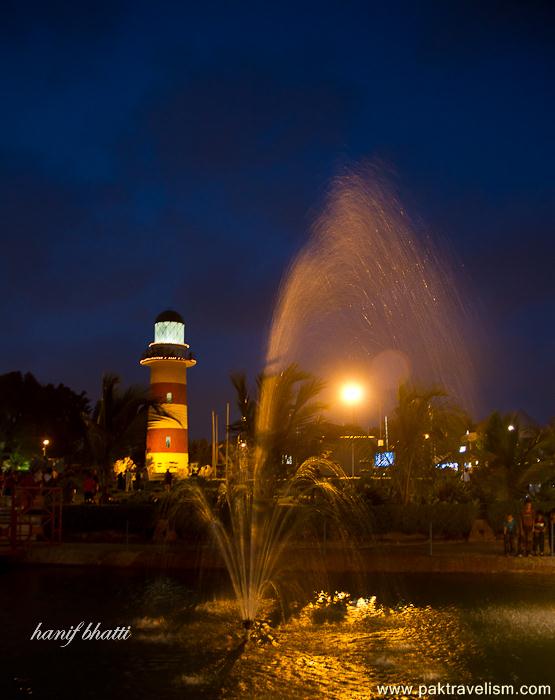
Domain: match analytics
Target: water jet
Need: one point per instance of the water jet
(362, 277)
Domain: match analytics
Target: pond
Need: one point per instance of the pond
(410, 629)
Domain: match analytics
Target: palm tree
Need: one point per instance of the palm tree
(245, 426)
(514, 455)
(293, 410)
(118, 424)
(426, 430)
(281, 417)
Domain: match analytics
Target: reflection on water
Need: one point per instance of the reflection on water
(457, 629)
(372, 645)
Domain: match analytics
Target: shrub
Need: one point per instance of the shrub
(135, 519)
(450, 520)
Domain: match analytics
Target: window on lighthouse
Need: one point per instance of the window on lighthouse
(168, 441)
(169, 397)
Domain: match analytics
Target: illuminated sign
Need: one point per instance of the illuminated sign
(384, 459)
(357, 437)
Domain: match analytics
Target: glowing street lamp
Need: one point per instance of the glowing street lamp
(45, 444)
(352, 394)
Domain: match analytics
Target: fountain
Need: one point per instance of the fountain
(362, 287)
(256, 518)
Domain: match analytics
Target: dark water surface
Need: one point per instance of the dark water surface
(419, 629)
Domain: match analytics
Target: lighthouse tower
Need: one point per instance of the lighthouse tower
(167, 444)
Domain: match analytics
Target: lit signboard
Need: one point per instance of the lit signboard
(384, 459)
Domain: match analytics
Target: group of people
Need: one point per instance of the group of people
(47, 477)
(33, 478)
(130, 480)
(70, 482)
(525, 535)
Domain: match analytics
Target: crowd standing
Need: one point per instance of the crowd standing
(44, 477)
(524, 536)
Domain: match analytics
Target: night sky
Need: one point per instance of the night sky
(159, 155)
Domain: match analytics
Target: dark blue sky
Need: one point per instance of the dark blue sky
(161, 155)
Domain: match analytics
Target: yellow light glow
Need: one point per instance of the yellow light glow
(352, 393)
(46, 442)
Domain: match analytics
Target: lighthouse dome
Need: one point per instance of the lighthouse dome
(169, 327)
(169, 315)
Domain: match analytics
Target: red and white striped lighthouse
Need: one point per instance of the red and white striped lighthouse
(167, 444)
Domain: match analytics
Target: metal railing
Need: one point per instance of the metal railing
(31, 514)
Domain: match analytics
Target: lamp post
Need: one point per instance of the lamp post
(351, 395)
(45, 444)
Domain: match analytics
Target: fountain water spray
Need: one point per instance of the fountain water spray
(360, 287)
(257, 517)
(365, 291)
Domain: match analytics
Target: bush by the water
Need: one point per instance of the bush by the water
(449, 520)
(133, 519)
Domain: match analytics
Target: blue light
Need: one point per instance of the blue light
(384, 459)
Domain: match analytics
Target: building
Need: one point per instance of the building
(167, 443)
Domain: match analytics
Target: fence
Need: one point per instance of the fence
(30, 514)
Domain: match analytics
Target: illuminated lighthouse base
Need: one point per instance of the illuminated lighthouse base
(167, 435)
(167, 445)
